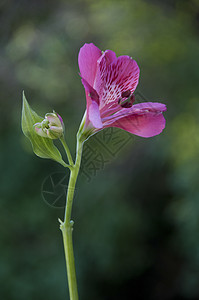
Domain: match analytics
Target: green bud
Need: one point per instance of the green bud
(51, 127)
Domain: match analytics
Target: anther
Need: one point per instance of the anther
(127, 103)
(126, 94)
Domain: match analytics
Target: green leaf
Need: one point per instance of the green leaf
(42, 147)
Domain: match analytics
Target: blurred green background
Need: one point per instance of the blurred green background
(136, 219)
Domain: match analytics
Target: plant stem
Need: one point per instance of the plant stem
(67, 226)
(70, 160)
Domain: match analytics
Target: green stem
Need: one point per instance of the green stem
(65, 165)
(70, 160)
(67, 226)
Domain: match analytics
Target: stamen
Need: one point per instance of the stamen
(119, 101)
(127, 103)
(126, 94)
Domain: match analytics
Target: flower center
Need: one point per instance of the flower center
(126, 100)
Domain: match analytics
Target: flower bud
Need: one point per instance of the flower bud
(51, 127)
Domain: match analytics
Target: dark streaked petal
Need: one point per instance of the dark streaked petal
(114, 79)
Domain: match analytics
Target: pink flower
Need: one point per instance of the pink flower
(110, 82)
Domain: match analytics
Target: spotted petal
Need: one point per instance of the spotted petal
(112, 79)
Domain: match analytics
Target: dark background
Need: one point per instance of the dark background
(136, 217)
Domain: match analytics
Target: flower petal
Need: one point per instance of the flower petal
(147, 125)
(109, 56)
(87, 59)
(94, 115)
(144, 119)
(91, 91)
(39, 130)
(111, 80)
(149, 106)
(92, 98)
(54, 119)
